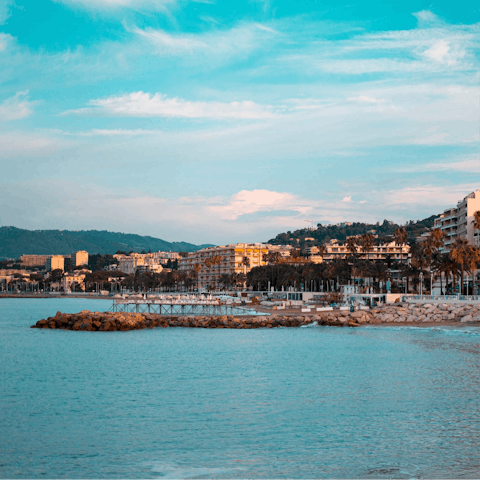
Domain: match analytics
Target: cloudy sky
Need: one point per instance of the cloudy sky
(224, 121)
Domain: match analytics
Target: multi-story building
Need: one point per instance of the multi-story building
(399, 253)
(457, 222)
(209, 264)
(79, 258)
(34, 260)
(145, 262)
(164, 257)
(68, 280)
(55, 262)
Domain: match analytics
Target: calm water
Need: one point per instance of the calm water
(186, 403)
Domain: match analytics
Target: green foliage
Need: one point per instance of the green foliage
(15, 242)
(324, 233)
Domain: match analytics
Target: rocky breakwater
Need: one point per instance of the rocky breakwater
(426, 313)
(398, 313)
(107, 321)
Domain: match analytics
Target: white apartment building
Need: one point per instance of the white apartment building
(457, 222)
(399, 253)
(207, 265)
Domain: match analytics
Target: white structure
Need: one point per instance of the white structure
(457, 222)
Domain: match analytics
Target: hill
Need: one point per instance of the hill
(324, 233)
(16, 241)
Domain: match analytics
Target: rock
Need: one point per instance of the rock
(466, 318)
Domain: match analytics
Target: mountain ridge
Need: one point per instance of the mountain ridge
(15, 242)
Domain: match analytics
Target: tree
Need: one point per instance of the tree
(352, 245)
(400, 235)
(461, 252)
(476, 224)
(366, 241)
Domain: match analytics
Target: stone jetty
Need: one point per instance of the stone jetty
(398, 313)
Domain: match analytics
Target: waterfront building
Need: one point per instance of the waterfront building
(207, 265)
(398, 253)
(79, 258)
(55, 262)
(457, 222)
(34, 260)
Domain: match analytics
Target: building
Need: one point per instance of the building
(284, 251)
(34, 260)
(164, 257)
(398, 253)
(79, 258)
(207, 266)
(457, 222)
(69, 279)
(55, 262)
(144, 262)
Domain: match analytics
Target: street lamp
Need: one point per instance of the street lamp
(404, 280)
(420, 287)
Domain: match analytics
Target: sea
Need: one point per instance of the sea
(310, 402)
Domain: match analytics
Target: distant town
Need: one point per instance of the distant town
(443, 259)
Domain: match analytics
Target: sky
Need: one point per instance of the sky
(219, 121)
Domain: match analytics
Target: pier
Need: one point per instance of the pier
(181, 306)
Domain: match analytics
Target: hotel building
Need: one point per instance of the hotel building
(457, 222)
(208, 264)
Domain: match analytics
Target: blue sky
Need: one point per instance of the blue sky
(226, 121)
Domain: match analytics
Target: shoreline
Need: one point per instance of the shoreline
(123, 321)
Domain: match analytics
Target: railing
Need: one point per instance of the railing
(406, 298)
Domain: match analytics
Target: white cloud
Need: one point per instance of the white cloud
(266, 29)
(5, 6)
(468, 165)
(215, 44)
(4, 40)
(154, 5)
(435, 197)
(172, 44)
(16, 107)
(140, 104)
(113, 133)
(347, 199)
(442, 52)
(365, 99)
(248, 202)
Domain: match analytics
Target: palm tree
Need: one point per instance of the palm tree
(352, 245)
(461, 253)
(476, 224)
(196, 269)
(366, 241)
(400, 236)
(246, 264)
